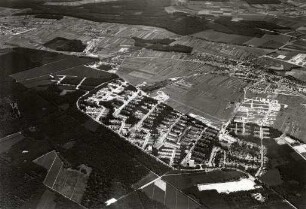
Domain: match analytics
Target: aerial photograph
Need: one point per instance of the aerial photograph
(152, 104)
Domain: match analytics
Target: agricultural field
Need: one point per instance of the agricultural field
(149, 13)
(268, 41)
(7, 142)
(172, 198)
(51, 68)
(188, 184)
(292, 119)
(235, 52)
(82, 37)
(145, 180)
(46, 198)
(85, 71)
(215, 36)
(186, 180)
(137, 70)
(263, 2)
(158, 194)
(299, 74)
(179, 190)
(190, 72)
(211, 96)
(71, 183)
(137, 199)
(16, 60)
(277, 65)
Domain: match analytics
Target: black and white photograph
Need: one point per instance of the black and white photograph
(152, 104)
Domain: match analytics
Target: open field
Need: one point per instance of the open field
(136, 12)
(51, 68)
(268, 41)
(143, 69)
(7, 142)
(220, 49)
(292, 119)
(71, 183)
(47, 110)
(17, 60)
(216, 36)
(29, 64)
(53, 172)
(46, 160)
(157, 195)
(103, 39)
(38, 83)
(83, 71)
(188, 184)
(166, 194)
(137, 199)
(212, 96)
(47, 200)
(147, 179)
(299, 74)
(178, 190)
(186, 180)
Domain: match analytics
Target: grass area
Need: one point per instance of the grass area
(28, 64)
(184, 181)
(137, 199)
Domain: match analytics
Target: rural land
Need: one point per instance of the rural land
(152, 104)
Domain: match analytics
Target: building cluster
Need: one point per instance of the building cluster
(258, 110)
(249, 129)
(237, 8)
(254, 117)
(8, 30)
(219, 150)
(271, 84)
(177, 139)
(263, 87)
(245, 156)
(299, 60)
